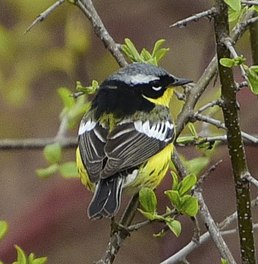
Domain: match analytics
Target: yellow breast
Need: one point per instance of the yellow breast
(153, 171)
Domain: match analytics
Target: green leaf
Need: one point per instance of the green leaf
(151, 216)
(189, 205)
(192, 129)
(187, 184)
(92, 89)
(53, 152)
(227, 62)
(3, 229)
(224, 261)
(33, 260)
(46, 172)
(175, 180)
(174, 226)
(197, 165)
(252, 78)
(174, 198)
(185, 139)
(160, 234)
(69, 170)
(234, 4)
(21, 257)
(65, 95)
(148, 200)
(157, 46)
(129, 49)
(145, 55)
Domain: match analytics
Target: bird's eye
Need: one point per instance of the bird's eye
(156, 87)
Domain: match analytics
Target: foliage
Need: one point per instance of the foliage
(182, 203)
(145, 56)
(31, 259)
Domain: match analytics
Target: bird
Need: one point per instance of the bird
(125, 140)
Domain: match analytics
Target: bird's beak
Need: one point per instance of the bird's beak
(180, 81)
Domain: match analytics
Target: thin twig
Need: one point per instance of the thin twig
(36, 143)
(249, 3)
(228, 42)
(42, 16)
(214, 230)
(251, 179)
(192, 245)
(220, 124)
(208, 14)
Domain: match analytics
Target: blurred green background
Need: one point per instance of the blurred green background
(48, 217)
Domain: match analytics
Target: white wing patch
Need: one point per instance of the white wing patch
(158, 130)
(89, 125)
(141, 78)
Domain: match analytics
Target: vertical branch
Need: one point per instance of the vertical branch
(235, 141)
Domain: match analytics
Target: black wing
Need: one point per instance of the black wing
(91, 141)
(132, 143)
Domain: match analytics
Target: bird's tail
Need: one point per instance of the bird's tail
(107, 198)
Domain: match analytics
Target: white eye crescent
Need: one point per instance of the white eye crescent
(156, 88)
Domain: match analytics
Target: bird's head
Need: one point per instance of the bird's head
(148, 80)
(136, 87)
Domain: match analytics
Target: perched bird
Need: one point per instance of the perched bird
(125, 140)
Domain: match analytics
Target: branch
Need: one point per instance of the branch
(44, 14)
(90, 12)
(235, 142)
(182, 23)
(250, 3)
(36, 143)
(119, 232)
(192, 245)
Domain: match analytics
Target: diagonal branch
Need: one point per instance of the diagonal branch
(182, 23)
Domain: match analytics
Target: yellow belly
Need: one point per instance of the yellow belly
(153, 171)
(149, 175)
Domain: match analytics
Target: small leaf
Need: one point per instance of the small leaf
(161, 53)
(252, 79)
(174, 198)
(197, 165)
(175, 180)
(69, 170)
(65, 95)
(189, 205)
(146, 56)
(224, 261)
(227, 62)
(185, 139)
(129, 49)
(33, 260)
(187, 184)
(157, 46)
(87, 89)
(174, 226)
(160, 234)
(21, 257)
(234, 4)
(151, 216)
(148, 200)
(53, 152)
(192, 129)
(3, 229)
(46, 172)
